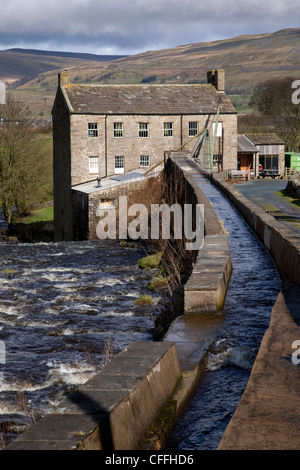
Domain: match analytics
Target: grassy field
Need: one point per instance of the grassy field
(288, 197)
(44, 214)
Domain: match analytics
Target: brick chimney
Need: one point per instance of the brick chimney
(217, 79)
(63, 78)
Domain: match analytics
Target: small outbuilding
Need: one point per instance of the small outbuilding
(261, 152)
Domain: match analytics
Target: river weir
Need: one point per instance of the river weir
(252, 292)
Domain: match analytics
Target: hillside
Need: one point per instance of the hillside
(19, 64)
(247, 60)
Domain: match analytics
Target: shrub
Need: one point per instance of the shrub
(144, 300)
(151, 261)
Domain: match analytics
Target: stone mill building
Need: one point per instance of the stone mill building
(111, 131)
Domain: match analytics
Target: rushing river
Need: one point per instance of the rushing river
(64, 305)
(252, 292)
(63, 308)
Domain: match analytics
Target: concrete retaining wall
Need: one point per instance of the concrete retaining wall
(282, 242)
(205, 291)
(113, 410)
(268, 416)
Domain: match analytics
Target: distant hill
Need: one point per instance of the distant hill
(72, 55)
(247, 60)
(18, 64)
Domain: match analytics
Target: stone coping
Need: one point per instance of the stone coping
(113, 410)
(268, 415)
(282, 242)
(205, 290)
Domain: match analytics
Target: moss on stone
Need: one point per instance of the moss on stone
(144, 300)
(158, 282)
(151, 261)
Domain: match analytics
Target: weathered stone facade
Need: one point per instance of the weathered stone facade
(103, 130)
(85, 206)
(106, 147)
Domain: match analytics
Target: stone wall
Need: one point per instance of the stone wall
(131, 146)
(205, 290)
(110, 196)
(282, 242)
(114, 409)
(293, 185)
(62, 170)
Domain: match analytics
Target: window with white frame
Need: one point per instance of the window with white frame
(92, 129)
(143, 129)
(94, 164)
(193, 128)
(118, 129)
(119, 164)
(144, 160)
(168, 129)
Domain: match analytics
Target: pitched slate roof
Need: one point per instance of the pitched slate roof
(244, 145)
(146, 99)
(265, 139)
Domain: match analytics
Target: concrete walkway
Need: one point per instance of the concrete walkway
(268, 415)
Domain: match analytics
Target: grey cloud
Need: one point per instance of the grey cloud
(131, 26)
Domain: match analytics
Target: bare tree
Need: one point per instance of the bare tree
(273, 98)
(252, 122)
(23, 158)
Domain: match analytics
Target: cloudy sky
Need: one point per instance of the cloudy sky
(134, 26)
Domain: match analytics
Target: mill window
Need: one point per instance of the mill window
(193, 128)
(94, 164)
(168, 129)
(92, 129)
(144, 160)
(118, 129)
(119, 164)
(143, 129)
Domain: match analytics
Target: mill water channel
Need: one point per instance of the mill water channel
(64, 306)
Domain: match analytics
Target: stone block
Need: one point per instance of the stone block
(114, 409)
